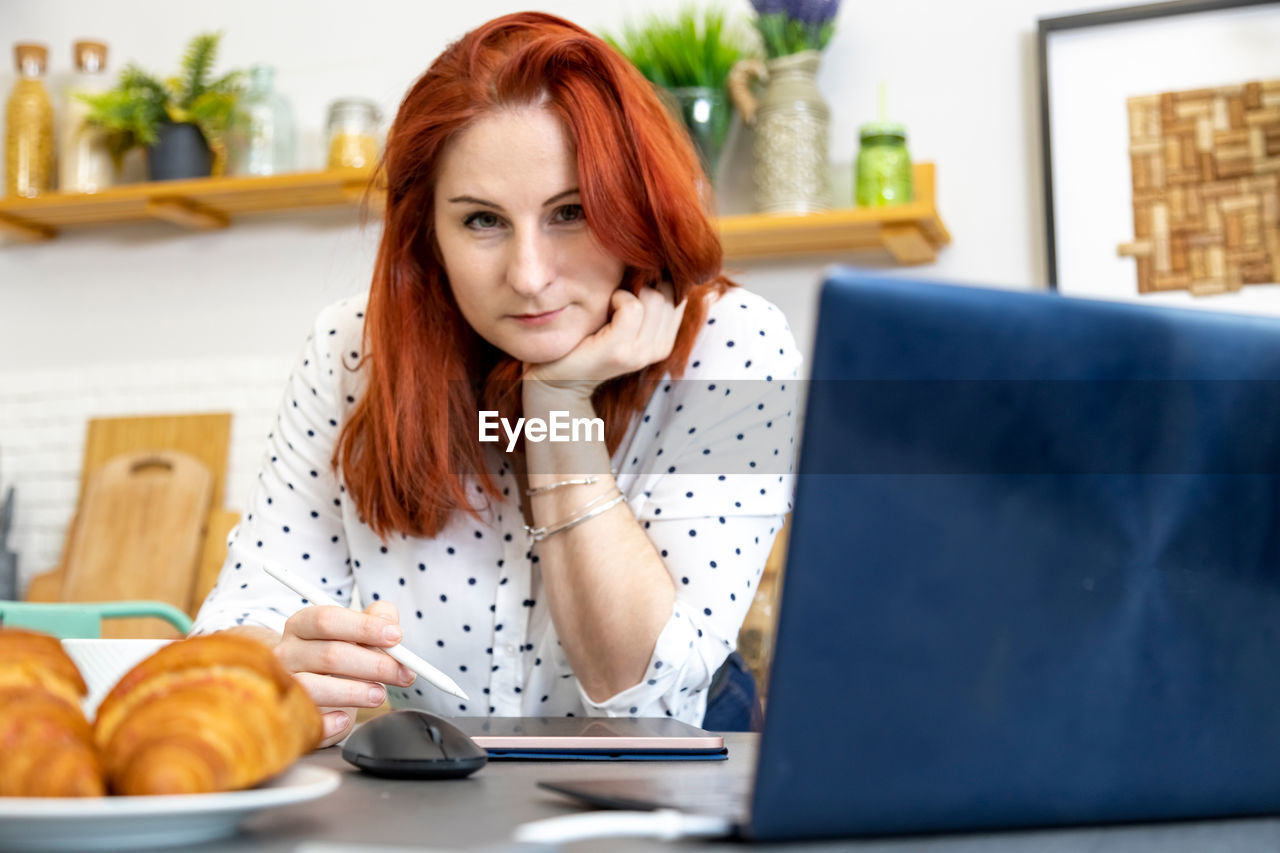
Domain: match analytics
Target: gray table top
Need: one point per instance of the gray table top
(479, 813)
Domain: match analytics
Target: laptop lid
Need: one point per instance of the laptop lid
(1034, 570)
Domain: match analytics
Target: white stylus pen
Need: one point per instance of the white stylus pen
(312, 593)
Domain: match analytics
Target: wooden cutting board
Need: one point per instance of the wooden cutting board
(206, 436)
(139, 535)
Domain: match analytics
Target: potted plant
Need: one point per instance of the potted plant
(689, 58)
(182, 121)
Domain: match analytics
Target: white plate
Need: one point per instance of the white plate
(123, 823)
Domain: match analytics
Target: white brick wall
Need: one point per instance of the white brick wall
(43, 416)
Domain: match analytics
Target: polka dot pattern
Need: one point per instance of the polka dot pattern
(472, 599)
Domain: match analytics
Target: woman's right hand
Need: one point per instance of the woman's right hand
(333, 652)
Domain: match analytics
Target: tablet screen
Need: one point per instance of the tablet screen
(638, 734)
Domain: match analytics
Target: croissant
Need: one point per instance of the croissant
(211, 713)
(46, 745)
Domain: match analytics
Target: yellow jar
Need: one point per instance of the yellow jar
(28, 144)
(353, 134)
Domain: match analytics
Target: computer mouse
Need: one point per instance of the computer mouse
(411, 744)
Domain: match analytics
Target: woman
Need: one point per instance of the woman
(545, 250)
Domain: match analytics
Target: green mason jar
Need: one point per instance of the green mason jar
(884, 166)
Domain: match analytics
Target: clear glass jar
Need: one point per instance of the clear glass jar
(884, 166)
(264, 145)
(353, 134)
(28, 142)
(84, 161)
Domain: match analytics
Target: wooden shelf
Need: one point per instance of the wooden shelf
(912, 233)
(199, 203)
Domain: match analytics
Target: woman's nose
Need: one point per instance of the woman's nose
(532, 265)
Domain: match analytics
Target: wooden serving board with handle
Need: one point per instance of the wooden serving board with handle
(206, 436)
(139, 536)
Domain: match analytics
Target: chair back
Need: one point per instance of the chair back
(83, 620)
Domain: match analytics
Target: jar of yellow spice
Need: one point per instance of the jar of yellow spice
(28, 143)
(353, 133)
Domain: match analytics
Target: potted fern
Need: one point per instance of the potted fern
(689, 58)
(182, 121)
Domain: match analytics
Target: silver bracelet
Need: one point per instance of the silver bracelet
(537, 534)
(542, 489)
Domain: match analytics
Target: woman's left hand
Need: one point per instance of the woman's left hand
(641, 331)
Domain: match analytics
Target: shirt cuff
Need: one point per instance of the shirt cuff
(675, 682)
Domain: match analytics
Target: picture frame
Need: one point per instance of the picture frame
(1098, 71)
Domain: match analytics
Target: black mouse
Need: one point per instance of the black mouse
(412, 744)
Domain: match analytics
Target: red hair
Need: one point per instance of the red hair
(402, 450)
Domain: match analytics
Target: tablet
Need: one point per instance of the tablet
(582, 737)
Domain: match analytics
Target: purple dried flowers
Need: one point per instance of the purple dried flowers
(790, 26)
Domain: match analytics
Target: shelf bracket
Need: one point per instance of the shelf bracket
(26, 232)
(187, 213)
(907, 243)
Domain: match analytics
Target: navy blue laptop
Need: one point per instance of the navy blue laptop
(1034, 570)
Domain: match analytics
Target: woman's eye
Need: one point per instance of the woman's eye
(481, 220)
(570, 213)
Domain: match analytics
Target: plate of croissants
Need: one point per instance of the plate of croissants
(194, 738)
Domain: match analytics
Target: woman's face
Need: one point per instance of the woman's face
(526, 271)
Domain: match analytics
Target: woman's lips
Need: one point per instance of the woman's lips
(537, 319)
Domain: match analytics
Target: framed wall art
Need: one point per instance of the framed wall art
(1160, 128)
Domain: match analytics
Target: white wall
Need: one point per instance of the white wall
(145, 319)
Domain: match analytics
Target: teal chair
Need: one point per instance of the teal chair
(83, 620)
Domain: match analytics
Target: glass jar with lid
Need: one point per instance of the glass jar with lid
(28, 144)
(353, 134)
(264, 143)
(84, 159)
(884, 166)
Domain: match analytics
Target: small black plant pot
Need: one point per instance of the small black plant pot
(180, 152)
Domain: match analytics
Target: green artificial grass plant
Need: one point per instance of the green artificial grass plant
(695, 48)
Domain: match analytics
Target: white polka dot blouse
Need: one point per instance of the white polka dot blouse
(706, 469)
